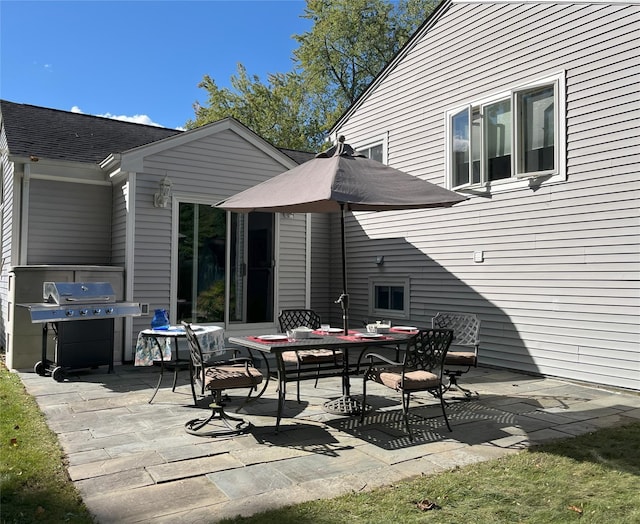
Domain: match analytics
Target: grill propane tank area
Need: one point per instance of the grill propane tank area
(81, 315)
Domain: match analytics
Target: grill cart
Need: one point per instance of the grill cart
(81, 315)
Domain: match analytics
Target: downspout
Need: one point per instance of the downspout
(24, 214)
(129, 188)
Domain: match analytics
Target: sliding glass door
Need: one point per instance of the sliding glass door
(208, 290)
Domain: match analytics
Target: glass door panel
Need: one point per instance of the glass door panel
(201, 263)
(252, 262)
(202, 275)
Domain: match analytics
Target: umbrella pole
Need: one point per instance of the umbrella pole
(344, 298)
(345, 405)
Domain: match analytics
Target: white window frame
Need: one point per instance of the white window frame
(516, 180)
(383, 280)
(381, 140)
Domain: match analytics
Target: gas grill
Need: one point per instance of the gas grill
(86, 344)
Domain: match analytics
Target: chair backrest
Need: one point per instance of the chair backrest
(294, 318)
(465, 326)
(195, 350)
(427, 350)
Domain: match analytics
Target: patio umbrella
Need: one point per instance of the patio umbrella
(338, 180)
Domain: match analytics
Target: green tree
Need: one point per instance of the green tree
(349, 44)
(277, 111)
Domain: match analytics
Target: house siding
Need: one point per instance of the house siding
(292, 262)
(6, 210)
(119, 224)
(206, 170)
(81, 231)
(322, 252)
(558, 291)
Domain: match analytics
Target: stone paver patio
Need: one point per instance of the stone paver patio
(133, 462)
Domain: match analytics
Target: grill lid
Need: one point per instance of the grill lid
(78, 292)
(64, 301)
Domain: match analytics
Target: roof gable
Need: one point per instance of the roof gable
(61, 135)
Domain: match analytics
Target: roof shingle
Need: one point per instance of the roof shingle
(62, 135)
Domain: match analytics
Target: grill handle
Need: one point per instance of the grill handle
(89, 300)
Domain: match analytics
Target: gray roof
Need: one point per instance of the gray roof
(62, 135)
(55, 134)
(299, 157)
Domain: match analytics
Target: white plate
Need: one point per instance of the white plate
(370, 335)
(273, 337)
(405, 328)
(180, 329)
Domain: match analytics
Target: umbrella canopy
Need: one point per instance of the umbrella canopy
(341, 178)
(337, 180)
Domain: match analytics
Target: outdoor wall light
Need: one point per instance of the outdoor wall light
(162, 197)
(380, 260)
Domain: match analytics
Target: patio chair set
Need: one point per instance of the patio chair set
(431, 360)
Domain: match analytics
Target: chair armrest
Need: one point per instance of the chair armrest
(376, 356)
(239, 360)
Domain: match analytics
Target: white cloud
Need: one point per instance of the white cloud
(136, 119)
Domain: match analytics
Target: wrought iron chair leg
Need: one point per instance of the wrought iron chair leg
(443, 405)
(406, 399)
(298, 385)
(233, 425)
(453, 383)
(364, 399)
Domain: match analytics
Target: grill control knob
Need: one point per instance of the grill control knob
(97, 311)
(69, 312)
(84, 312)
(109, 311)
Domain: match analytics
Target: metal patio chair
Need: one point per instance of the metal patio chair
(292, 318)
(421, 369)
(463, 353)
(237, 373)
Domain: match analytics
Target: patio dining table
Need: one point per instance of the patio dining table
(355, 340)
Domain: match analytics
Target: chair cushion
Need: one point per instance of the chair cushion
(413, 380)
(231, 377)
(460, 358)
(311, 356)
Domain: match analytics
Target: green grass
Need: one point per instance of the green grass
(593, 478)
(34, 484)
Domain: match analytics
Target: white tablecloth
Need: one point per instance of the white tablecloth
(211, 340)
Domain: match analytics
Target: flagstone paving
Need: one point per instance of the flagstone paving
(133, 461)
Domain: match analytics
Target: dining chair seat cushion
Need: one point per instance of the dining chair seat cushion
(413, 380)
(311, 356)
(460, 358)
(231, 377)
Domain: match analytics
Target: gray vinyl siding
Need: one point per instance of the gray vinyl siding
(119, 225)
(6, 226)
(292, 261)
(322, 252)
(207, 171)
(69, 223)
(559, 291)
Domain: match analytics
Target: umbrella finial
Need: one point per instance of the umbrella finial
(340, 149)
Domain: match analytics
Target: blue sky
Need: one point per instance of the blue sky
(139, 60)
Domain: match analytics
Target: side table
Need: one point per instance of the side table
(162, 345)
